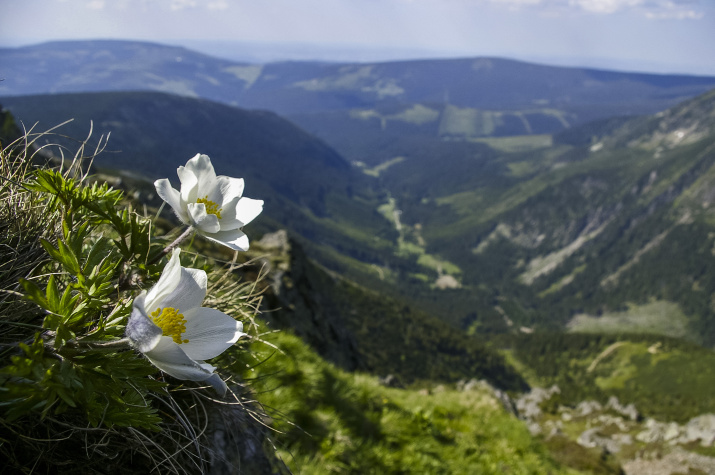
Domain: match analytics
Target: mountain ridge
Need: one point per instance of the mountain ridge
(304, 87)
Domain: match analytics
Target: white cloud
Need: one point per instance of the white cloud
(606, 6)
(653, 9)
(677, 10)
(181, 4)
(675, 15)
(217, 5)
(95, 4)
(518, 2)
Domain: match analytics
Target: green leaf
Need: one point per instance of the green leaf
(69, 259)
(33, 293)
(53, 294)
(102, 251)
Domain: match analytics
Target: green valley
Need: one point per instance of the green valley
(459, 270)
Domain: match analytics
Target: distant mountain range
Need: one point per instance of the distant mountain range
(428, 189)
(542, 98)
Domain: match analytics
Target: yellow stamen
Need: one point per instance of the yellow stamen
(171, 322)
(211, 207)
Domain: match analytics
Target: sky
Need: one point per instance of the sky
(661, 36)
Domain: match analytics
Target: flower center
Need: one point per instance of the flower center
(171, 322)
(211, 207)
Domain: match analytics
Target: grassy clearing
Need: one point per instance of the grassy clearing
(417, 114)
(563, 282)
(249, 73)
(659, 318)
(466, 122)
(410, 242)
(543, 265)
(375, 171)
(517, 143)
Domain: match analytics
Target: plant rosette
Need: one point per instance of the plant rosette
(211, 204)
(176, 334)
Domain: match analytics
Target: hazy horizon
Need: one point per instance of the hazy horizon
(652, 36)
(260, 53)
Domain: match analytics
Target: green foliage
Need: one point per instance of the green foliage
(96, 384)
(67, 367)
(74, 256)
(667, 379)
(330, 421)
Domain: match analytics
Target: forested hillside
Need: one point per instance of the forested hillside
(613, 216)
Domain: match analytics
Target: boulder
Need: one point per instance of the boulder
(700, 428)
(529, 404)
(586, 408)
(629, 411)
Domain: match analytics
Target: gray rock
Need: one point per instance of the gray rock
(534, 428)
(277, 240)
(483, 385)
(592, 438)
(586, 408)
(391, 381)
(677, 461)
(700, 428)
(629, 411)
(659, 431)
(528, 404)
(607, 420)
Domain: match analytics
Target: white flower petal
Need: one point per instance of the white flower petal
(189, 185)
(199, 182)
(247, 209)
(218, 384)
(141, 331)
(210, 333)
(169, 280)
(189, 292)
(201, 220)
(202, 168)
(208, 367)
(172, 196)
(228, 216)
(171, 359)
(230, 188)
(234, 238)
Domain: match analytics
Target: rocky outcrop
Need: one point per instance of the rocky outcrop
(529, 405)
(658, 432)
(613, 444)
(629, 411)
(675, 462)
(239, 444)
(701, 428)
(642, 447)
(473, 384)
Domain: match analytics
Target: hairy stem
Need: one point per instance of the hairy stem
(171, 246)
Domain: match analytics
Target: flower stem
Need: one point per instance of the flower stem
(171, 246)
(114, 345)
(121, 343)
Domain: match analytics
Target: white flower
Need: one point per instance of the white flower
(171, 328)
(211, 204)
